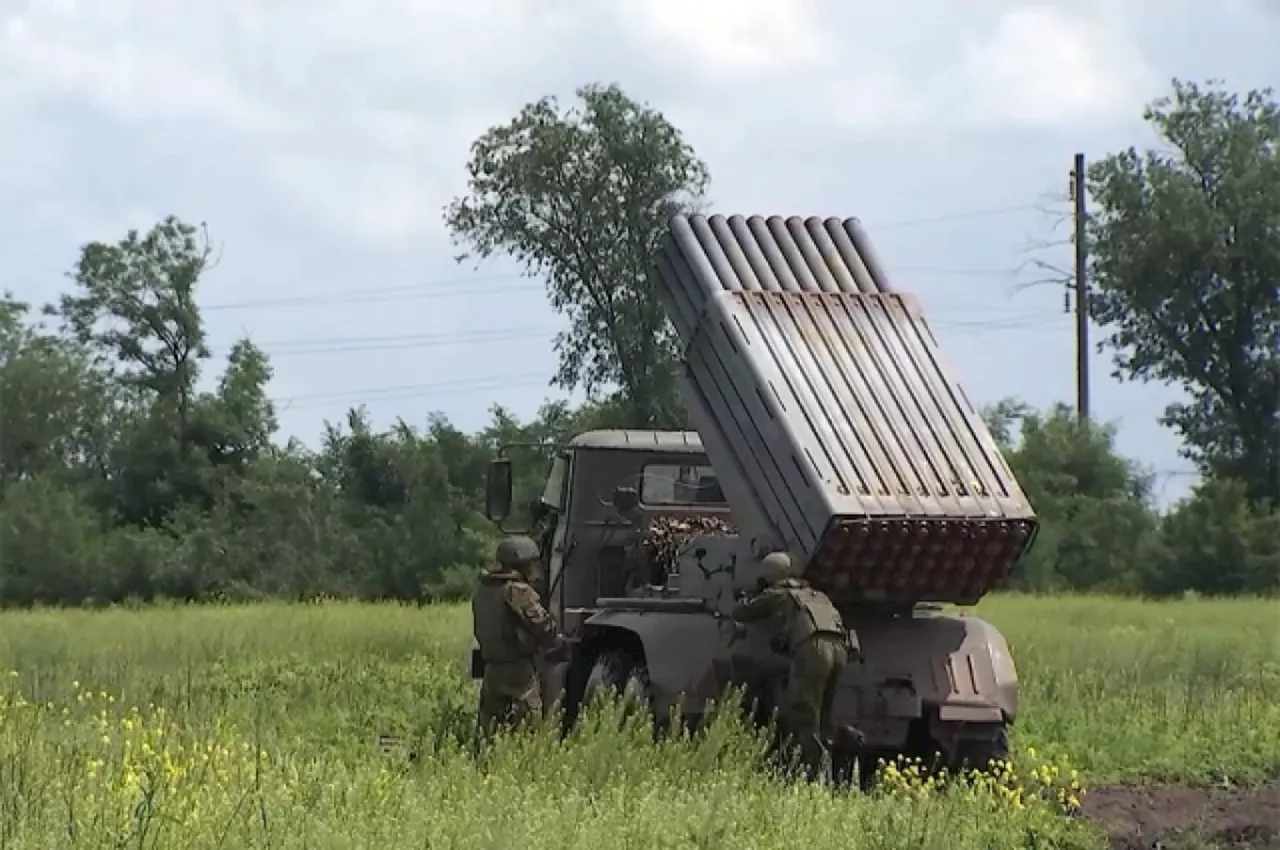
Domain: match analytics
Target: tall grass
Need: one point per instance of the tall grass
(258, 726)
(1185, 691)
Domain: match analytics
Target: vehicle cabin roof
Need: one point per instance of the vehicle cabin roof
(685, 442)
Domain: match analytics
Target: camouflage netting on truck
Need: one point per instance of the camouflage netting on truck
(658, 550)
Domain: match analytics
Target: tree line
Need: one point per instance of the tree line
(120, 480)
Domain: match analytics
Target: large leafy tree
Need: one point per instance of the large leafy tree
(1215, 542)
(135, 300)
(1185, 259)
(134, 307)
(581, 197)
(1098, 523)
(55, 408)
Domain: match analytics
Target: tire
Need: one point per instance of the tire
(621, 674)
(975, 751)
(979, 751)
(867, 765)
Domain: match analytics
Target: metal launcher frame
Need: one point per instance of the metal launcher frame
(823, 401)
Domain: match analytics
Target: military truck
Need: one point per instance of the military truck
(828, 426)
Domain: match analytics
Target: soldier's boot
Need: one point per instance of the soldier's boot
(817, 762)
(526, 712)
(846, 747)
(787, 755)
(849, 739)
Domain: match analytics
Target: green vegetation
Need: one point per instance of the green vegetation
(122, 481)
(292, 699)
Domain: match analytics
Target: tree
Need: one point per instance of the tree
(234, 425)
(55, 413)
(1215, 542)
(582, 197)
(121, 480)
(137, 305)
(1185, 262)
(1095, 507)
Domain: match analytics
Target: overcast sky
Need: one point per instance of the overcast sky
(319, 140)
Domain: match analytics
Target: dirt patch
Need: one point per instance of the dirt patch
(1177, 817)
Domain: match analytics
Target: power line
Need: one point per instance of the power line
(342, 345)
(406, 391)
(1030, 322)
(462, 382)
(393, 343)
(1026, 321)
(956, 216)
(449, 288)
(445, 287)
(427, 289)
(444, 337)
(354, 397)
(943, 270)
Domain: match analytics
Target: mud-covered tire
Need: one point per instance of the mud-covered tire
(985, 743)
(621, 674)
(978, 753)
(974, 751)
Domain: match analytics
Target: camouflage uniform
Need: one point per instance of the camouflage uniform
(511, 626)
(807, 628)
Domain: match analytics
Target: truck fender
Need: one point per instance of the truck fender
(960, 666)
(685, 654)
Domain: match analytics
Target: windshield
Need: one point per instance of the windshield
(673, 484)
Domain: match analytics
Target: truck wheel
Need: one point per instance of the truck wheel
(979, 751)
(974, 750)
(618, 672)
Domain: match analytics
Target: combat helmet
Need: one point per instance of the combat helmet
(775, 567)
(517, 552)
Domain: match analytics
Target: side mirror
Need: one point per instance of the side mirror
(497, 489)
(625, 499)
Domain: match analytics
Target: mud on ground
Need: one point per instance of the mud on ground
(1182, 818)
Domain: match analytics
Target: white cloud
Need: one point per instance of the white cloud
(359, 115)
(85, 225)
(871, 71)
(737, 38)
(362, 112)
(1045, 66)
(385, 198)
(108, 55)
(356, 110)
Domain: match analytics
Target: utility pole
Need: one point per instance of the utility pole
(1082, 291)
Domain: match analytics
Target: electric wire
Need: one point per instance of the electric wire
(506, 283)
(447, 287)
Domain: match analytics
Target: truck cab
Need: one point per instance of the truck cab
(602, 490)
(615, 607)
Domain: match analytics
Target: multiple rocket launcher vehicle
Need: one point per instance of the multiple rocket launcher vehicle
(829, 426)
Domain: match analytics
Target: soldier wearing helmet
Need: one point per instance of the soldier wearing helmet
(511, 626)
(807, 628)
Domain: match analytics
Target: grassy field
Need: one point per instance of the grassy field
(257, 727)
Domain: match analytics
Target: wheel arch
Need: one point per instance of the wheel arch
(599, 638)
(678, 650)
(959, 665)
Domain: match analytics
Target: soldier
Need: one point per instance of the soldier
(808, 629)
(511, 627)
